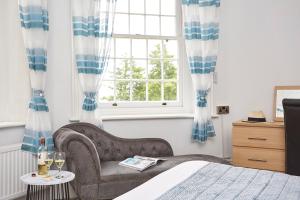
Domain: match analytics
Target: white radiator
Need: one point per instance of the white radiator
(13, 164)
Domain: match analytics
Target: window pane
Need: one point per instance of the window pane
(136, 60)
(168, 26)
(152, 7)
(154, 91)
(138, 91)
(154, 69)
(121, 24)
(122, 48)
(154, 48)
(137, 24)
(138, 69)
(168, 7)
(170, 49)
(136, 6)
(170, 69)
(152, 25)
(122, 6)
(170, 91)
(122, 90)
(139, 48)
(123, 70)
(109, 73)
(106, 92)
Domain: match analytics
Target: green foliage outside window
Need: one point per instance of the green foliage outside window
(154, 76)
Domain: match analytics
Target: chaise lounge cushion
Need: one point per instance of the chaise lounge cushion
(115, 174)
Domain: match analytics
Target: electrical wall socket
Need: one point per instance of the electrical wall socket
(222, 110)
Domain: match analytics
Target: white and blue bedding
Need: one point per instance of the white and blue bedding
(200, 180)
(224, 182)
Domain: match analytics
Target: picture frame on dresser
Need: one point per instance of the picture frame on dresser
(280, 93)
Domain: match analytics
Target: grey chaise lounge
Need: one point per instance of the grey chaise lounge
(93, 155)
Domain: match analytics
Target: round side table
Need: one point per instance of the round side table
(48, 188)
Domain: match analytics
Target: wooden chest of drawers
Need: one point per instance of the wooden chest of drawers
(259, 145)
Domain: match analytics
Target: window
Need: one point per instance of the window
(144, 69)
(14, 77)
(147, 73)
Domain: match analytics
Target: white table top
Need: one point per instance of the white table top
(42, 180)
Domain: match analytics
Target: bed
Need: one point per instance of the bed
(205, 180)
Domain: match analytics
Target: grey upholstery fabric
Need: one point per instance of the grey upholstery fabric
(82, 159)
(112, 172)
(110, 147)
(93, 155)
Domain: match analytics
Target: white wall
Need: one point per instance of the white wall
(259, 48)
(259, 43)
(12, 59)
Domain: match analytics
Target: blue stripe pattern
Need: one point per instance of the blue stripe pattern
(202, 65)
(201, 57)
(202, 3)
(201, 98)
(38, 101)
(37, 59)
(35, 25)
(224, 182)
(90, 64)
(34, 17)
(89, 102)
(90, 26)
(31, 140)
(195, 30)
(92, 31)
(201, 131)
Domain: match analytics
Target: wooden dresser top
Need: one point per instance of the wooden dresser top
(260, 124)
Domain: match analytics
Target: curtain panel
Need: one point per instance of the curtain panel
(35, 26)
(92, 30)
(201, 32)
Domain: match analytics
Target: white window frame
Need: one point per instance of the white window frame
(180, 41)
(137, 104)
(182, 107)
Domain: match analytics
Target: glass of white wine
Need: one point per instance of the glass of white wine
(49, 161)
(59, 162)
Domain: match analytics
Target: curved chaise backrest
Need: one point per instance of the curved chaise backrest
(111, 148)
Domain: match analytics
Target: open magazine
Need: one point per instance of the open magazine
(140, 162)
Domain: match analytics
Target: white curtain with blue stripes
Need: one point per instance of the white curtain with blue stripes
(35, 26)
(92, 31)
(201, 31)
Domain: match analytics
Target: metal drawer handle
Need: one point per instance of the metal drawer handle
(256, 160)
(262, 139)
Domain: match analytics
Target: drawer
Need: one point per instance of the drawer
(270, 159)
(273, 138)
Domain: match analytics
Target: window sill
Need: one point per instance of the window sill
(11, 124)
(146, 117)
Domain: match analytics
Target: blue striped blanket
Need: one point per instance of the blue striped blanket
(224, 182)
